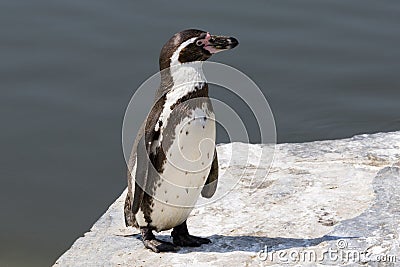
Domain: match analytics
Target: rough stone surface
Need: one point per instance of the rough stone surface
(324, 203)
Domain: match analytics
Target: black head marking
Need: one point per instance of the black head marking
(198, 45)
(172, 45)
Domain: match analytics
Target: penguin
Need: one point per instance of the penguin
(173, 159)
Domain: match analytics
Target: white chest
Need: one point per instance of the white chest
(189, 160)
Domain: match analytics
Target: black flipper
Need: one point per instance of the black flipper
(129, 214)
(140, 157)
(211, 184)
(141, 175)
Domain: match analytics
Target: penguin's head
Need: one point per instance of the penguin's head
(193, 45)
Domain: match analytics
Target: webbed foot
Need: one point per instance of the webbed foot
(181, 237)
(154, 244)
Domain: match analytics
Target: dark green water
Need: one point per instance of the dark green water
(330, 69)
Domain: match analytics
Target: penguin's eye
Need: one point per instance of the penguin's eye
(199, 43)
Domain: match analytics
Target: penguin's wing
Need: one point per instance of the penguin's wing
(140, 154)
(212, 180)
(134, 195)
(142, 163)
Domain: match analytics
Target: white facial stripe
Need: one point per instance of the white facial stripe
(175, 55)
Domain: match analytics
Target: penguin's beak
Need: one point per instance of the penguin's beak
(215, 43)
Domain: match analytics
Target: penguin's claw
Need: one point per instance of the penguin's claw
(160, 246)
(189, 240)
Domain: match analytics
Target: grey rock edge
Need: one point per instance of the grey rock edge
(323, 203)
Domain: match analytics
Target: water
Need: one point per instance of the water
(330, 69)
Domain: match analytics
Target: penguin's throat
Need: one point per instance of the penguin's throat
(187, 79)
(186, 75)
(176, 95)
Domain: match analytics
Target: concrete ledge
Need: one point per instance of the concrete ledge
(321, 197)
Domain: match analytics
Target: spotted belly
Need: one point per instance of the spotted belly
(189, 158)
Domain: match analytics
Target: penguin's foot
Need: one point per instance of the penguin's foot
(190, 241)
(181, 237)
(159, 246)
(156, 245)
